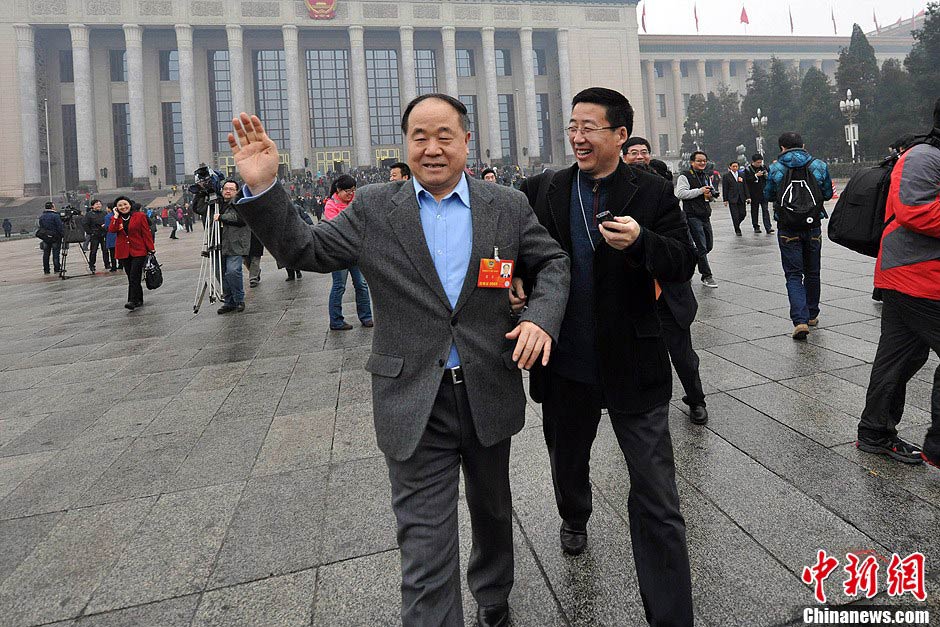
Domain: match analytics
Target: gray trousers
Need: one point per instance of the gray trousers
(254, 268)
(424, 498)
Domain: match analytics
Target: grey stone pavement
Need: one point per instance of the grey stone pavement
(162, 469)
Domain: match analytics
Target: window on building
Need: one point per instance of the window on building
(503, 62)
(220, 98)
(328, 95)
(658, 69)
(663, 144)
(121, 123)
(425, 72)
(465, 62)
(118, 62)
(545, 127)
(173, 142)
(733, 68)
(70, 146)
(685, 101)
(661, 104)
(709, 69)
(507, 127)
(541, 68)
(271, 96)
(684, 69)
(66, 68)
(384, 97)
(169, 65)
(474, 146)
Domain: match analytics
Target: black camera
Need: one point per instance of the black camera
(68, 212)
(208, 181)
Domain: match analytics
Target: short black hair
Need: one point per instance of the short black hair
(635, 141)
(50, 204)
(698, 152)
(731, 163)
(91, 203)
(129, 201)
(619, 111)
(458, 106)
(487, 171)
(342, 182)
(233, 181)
(405, 170)
(902, 142)
(757, 157)
(790, 139)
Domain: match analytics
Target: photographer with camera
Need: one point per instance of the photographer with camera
(755, 179)
(93, 224)
(694, 188)
(234, 239)
(51, 230)
(134, 243)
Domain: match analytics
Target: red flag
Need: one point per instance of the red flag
(790, 11)
(835, 30)
(744, 19)
(643, 17)
(875, 17)
(921, 14)
(695, 13)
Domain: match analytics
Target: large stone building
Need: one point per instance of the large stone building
(139, 92)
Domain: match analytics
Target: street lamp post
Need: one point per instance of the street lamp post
(759, 123)
(696, 134)
(850, 108)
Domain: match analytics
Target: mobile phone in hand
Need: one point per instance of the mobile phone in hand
(604, 216)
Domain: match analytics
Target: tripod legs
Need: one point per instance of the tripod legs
(210, 269)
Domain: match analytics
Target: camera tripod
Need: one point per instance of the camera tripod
(71, 231)
(210, 269)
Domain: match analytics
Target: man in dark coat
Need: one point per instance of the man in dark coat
(624, 231)
(50, 224)
(755, 178)
(732, 188)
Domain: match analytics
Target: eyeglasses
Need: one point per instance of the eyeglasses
(638, 153)
(587, 130)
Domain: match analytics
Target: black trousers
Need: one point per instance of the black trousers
(760, 206)
(738, 213)
(134, 269)
(98, 241)
(910, 329)
(424, 499)
(683, 356)
(570, 416)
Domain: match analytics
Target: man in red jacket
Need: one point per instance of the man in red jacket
(908, 272)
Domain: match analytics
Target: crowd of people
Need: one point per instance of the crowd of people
(597, 260)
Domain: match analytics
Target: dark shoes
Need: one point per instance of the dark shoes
(346, 327)
(289, 278)
(493, 615)
(368, 324)
(240, 307)
(129, 305)
(769, 231)
(757, 230)
(895, 448)
(931, 460)
(738, 233)
(573, 541)
(698, 414)
(224, 309)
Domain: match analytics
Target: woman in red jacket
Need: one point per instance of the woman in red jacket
(134, 243)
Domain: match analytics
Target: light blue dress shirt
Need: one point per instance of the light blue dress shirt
(448, 230)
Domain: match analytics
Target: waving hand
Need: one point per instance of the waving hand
(255, 153)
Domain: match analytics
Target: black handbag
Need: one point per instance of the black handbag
(153, 275)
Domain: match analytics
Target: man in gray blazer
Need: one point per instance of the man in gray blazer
(446, 376)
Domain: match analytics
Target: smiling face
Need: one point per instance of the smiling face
(597, 151)
(96, 206)
(346, 195)
(229, 190)
(123, 206)
(437, 146)
(699, 162)
(637, 154)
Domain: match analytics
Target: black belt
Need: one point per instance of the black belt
(454, 376)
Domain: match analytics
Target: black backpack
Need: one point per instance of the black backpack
(858, 220)
(799, 200)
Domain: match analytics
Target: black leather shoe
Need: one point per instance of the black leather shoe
(698, 414)
(346, 327)
(224, 309)
(240, 307)
(493, 615)
(130, 305)
(573, 541)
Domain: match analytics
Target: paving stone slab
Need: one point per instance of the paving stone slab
(176, 612)
(285, 601)
(296, 442)
(224, 452)
(16, 469)
(19, 536)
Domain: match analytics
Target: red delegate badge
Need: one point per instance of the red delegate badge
(495, 273)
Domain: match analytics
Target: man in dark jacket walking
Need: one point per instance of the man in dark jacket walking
(732, 188)
(755, 179)
(51, 224)
(93, 223)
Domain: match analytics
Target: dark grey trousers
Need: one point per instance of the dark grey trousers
(424, 498)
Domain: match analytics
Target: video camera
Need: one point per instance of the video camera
(208, 181)
(68, 212)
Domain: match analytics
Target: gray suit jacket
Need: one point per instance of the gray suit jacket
(381, 232)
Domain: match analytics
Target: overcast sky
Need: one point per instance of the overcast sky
(770, 17)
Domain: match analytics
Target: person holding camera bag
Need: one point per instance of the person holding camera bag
(51, 230)
(94, 227)
(134, 244)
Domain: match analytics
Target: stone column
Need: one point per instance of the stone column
(136, 83)
(726, 72)
(652, 115)
(84, 108)
(184, 48)
(492, 98)
(748, 68)
(295, 113)
(236, 66)
(817, 63)
(449, 43)
(676, 69)
(362, 133)
(564, 79)
(700, 73)
(29, 108)
(528, 82)
(409, 87)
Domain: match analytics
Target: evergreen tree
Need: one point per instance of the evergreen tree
(858, 71)
(820, 121)
(923, 64)
(756, 97)
(695, 112)
(895, 110)
(784, 106)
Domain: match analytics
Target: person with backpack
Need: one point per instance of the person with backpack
(908, 272)
(798, 184)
